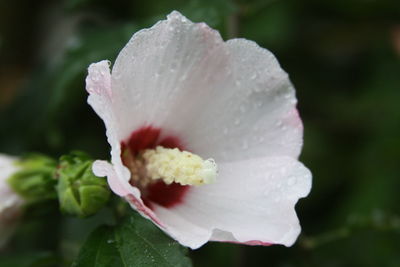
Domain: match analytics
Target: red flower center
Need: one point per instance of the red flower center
(157, 192)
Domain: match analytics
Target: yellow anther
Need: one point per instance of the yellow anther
(183, 167)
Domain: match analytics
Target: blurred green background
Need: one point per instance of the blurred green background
(342, 56)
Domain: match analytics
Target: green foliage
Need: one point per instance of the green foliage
(80, 192)
(35, 180)
(31, 259)
(54, 99)
(135, 242)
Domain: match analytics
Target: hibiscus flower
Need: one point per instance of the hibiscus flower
(10, 202)
(204, 135)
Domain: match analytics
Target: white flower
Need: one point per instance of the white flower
(179, 85)
(10, 202)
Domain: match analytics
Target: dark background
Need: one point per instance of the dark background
(342, 56)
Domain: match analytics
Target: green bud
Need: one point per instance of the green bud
(80, 192)
(34, 181)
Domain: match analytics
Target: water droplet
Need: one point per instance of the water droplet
(225, 131)
(183, 77)
(237, 122)
(261, 139)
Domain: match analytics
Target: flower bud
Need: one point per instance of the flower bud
(80, 192)
(10, 202)
(34, 180)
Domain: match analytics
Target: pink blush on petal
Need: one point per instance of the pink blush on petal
(293, 118)
(249, 243)
(256, 243)
(143, 209)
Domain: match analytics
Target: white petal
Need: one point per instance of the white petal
(252, 202)
(158, 70)
(98, 85)
(256, 117)
(101, 98)
(229, 101)
(121, 187)
(102, 168)
(10, 202)
(166, 74)
(8, 197)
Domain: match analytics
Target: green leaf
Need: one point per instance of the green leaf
(135, 242)
(29, 259)
(99, 250)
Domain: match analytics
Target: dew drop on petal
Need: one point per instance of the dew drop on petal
(183, 77)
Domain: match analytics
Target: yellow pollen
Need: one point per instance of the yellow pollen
(183, 167)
